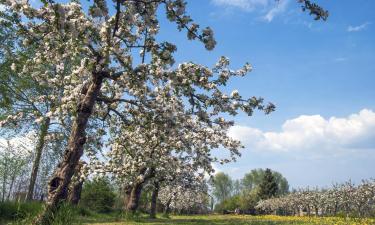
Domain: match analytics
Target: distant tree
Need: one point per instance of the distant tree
(14, 159)
(237, 187)
(222, 186)
(249, 200)
(98, 195)
(252, 180)
(245, 201)
(282, 183)
(228, 204)
(268, 188)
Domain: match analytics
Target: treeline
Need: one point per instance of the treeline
(16, 163)
(243, 195)
(341, 199)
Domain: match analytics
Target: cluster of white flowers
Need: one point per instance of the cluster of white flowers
(185, 193)
(347, 198)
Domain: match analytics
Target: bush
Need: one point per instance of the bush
(245, 201)
(229, 204)
(82, 211)
(98, 196)
(15, 210)
(24, 213)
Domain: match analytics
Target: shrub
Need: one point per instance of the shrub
(245, 201)
(98, 196)
(15, 210)
(24, 213)
(67, 214)
(82, 211)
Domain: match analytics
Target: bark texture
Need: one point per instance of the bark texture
(75, 190)
(133, 198)
(38, 154)
(58, 185)
(75, 193)
(154, 199)
(135, 191)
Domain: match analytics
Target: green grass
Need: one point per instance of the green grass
(23, 213)
(13, 211)
(236, 220)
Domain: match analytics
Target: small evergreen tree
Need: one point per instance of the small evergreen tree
(268, 187)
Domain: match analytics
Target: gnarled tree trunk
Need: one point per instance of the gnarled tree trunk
(58, 185)
(135, 191)
(133, 198)
(154, 199)
(38, 154)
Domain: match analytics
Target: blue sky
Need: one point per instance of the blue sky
(320, 75)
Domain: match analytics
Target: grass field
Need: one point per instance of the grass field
(235, 220)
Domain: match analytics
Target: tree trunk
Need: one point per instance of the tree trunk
(75, 193)
(5, 177)
(335, 210)
(133, 199)
(154, 199)
(11, 186)
(38, 154)
(167, 207)
(134, 193)
(58, 185)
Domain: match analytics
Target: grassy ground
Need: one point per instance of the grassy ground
(232, 220)
(22, 214)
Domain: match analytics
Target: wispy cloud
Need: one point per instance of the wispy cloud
(276, 10)
(247, 5)
(358, 28)
(340, 59)
(268, 9)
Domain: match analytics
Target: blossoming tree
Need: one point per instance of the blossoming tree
(89, 49)
(347, 198)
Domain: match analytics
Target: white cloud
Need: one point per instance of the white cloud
(247, 5)
(358, 28)
(267, 8)
(313, 133)
(276, 10)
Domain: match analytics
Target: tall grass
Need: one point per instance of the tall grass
(67, 214)
(14, 213)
